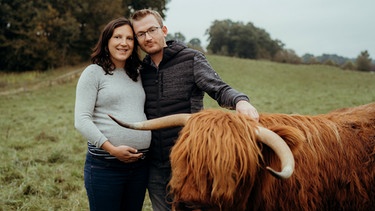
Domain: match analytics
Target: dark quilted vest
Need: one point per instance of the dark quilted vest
(169, 90)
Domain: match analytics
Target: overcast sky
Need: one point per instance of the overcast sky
(342, 27)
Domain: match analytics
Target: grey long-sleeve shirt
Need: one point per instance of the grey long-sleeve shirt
(98, 95)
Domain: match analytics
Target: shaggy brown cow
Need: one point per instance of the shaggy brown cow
(218, 162)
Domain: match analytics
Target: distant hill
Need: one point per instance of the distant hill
(340, 60)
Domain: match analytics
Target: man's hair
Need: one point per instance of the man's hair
(139, 14)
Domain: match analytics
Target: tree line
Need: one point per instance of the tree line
(242, 40)
(45, 34)
(362, 62)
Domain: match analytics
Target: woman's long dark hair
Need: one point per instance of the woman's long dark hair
(101, 57)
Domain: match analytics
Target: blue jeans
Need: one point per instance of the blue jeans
(157, 188)
(115, 185)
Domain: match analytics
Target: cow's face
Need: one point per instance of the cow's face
(188, 195)
(188, 200)
(214, 163)
(193, 206)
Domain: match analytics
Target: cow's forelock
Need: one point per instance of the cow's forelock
(216, 164)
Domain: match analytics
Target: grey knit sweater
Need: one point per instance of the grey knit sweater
(97, 95)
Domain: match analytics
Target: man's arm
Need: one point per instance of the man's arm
(210, 82)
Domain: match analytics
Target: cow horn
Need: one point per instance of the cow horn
(155, 124)
(278, 145)
(266, 136)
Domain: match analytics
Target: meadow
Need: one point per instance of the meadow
(42, 154)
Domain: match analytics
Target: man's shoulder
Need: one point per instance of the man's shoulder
(177, 51)
(193, 51)
(178, 46)
(182, 49)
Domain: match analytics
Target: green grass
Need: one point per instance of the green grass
(285, 88)
(42, 155)
(28, 80)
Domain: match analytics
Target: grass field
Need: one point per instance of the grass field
(42, 155)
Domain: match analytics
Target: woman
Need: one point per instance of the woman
(115, 171)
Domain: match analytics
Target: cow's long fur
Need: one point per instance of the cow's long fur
(217, 163)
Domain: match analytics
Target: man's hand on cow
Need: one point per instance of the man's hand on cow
(244, 107)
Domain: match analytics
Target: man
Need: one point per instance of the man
(175, 78)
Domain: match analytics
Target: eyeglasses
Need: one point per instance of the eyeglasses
(151, 31)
